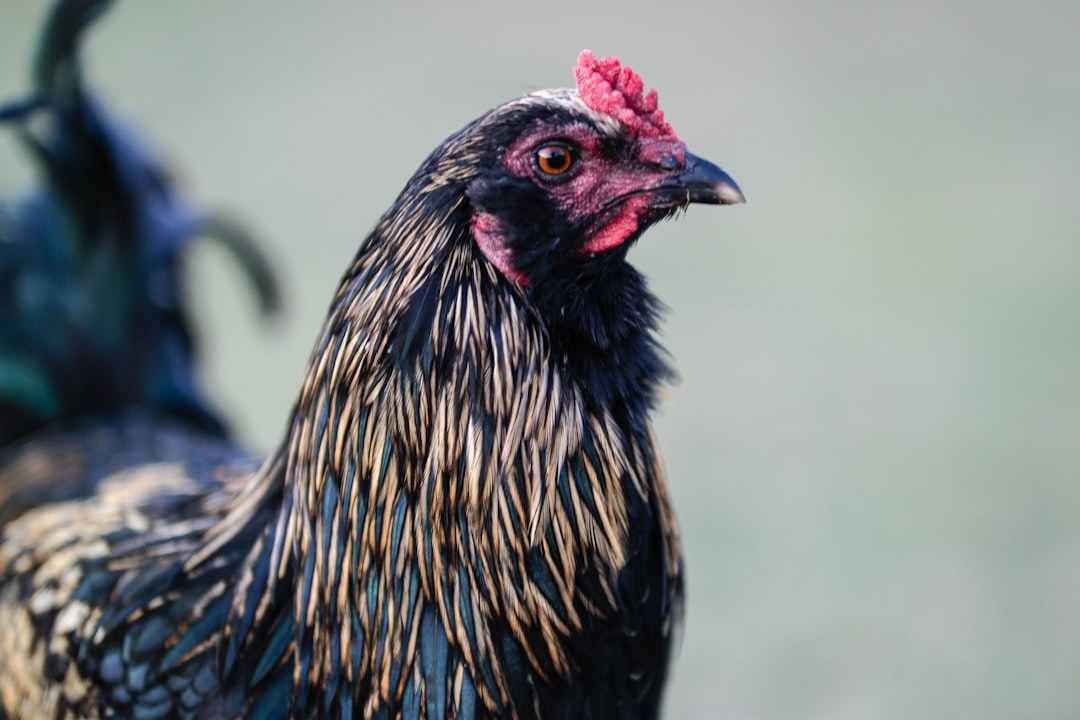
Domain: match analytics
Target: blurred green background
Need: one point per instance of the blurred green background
(875, 444)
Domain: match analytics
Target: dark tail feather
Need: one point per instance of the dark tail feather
(92, 320)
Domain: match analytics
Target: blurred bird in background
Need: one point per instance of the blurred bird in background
(92, 320)
(467, 515)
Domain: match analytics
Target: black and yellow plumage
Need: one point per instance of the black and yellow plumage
(467, 516)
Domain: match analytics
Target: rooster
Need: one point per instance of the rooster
(92, 316)
(467, 514)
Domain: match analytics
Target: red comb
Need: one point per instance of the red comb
(609, 88)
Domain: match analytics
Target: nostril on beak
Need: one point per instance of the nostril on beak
(669, 162)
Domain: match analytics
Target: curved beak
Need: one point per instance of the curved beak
(704, 182)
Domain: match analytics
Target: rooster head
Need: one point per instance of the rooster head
(580, 174)
(540, 198)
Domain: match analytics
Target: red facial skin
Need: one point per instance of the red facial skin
(616, 190)
(491, 238)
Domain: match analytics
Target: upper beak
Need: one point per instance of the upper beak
(704, 182)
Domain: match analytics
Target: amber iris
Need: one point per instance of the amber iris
(554, 159)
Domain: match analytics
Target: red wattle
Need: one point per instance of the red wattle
(620, 229)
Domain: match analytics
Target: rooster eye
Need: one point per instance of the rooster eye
(554, 159)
